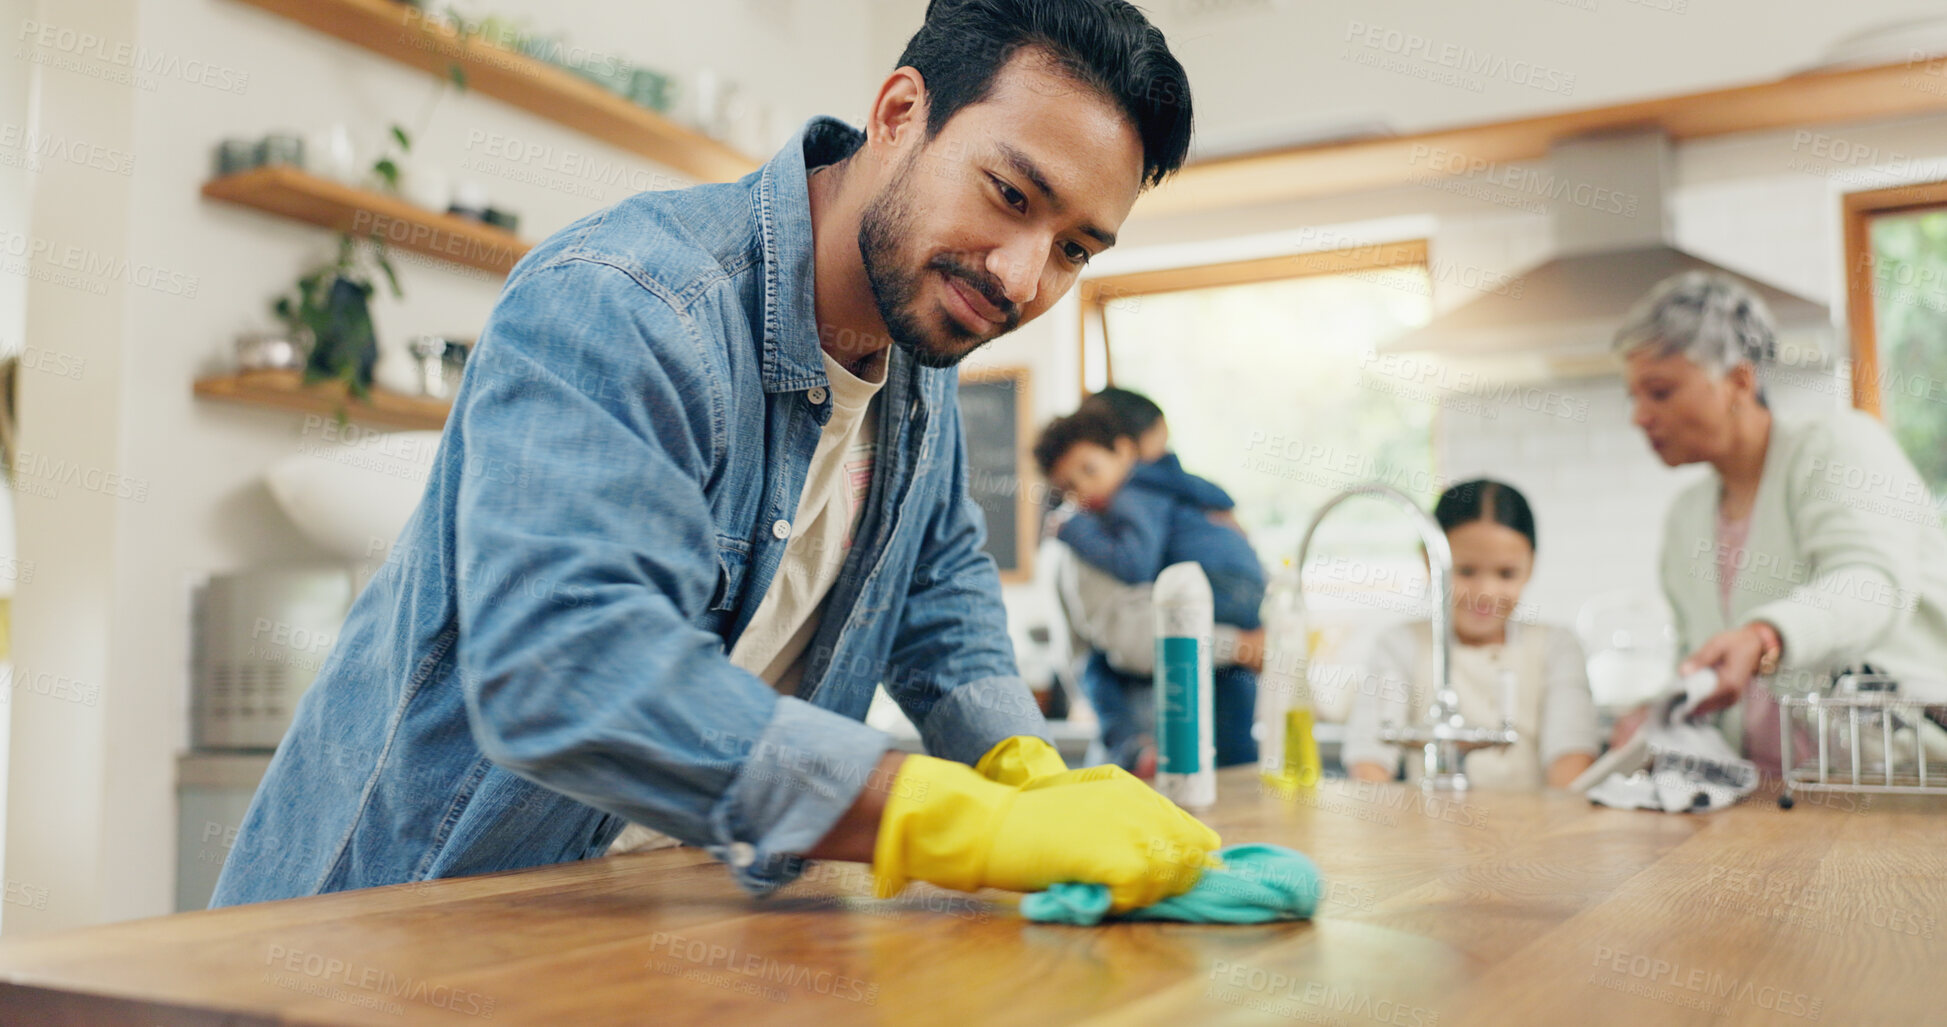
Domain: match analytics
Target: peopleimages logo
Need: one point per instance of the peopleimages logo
(43, 469)
(1458, 58)
(1633, 970)
(94, 267)
(1526, 182)
(343, 979)
(580, 172)
(1430, 375)
(763, 969)
(143, 66)
(36, 145)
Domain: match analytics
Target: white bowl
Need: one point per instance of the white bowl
(353, 497)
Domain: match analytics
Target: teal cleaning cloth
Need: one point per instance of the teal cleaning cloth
(1258, 884)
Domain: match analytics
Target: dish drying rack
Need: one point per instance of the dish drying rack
(1878, 738)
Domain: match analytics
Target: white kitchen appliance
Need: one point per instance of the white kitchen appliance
(260, 637)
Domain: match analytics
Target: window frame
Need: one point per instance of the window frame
(1861, 209)
(1097, 293)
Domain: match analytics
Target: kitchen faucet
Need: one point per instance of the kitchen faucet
(1446, 738)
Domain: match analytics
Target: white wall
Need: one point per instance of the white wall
(60, 787)
(17, 159)
(92, 787)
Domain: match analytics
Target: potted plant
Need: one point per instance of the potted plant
(331, 313)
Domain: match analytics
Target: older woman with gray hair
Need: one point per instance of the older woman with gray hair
(1812, 545)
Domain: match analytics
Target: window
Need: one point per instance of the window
(1263, 369)
(1896, 242)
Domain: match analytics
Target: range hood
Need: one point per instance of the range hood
(1612, 243)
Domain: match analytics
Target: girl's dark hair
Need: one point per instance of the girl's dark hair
(1485, 500)
(1133, 411)
(1105, 45)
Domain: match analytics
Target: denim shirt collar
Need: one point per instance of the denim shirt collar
(791, 359)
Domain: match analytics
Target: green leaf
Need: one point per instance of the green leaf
(400, 134)
(391, 276)
(387, 170)
(458, 76)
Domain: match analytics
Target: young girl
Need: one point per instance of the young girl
(1491, 531)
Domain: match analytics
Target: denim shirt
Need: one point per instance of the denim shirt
(542, 656)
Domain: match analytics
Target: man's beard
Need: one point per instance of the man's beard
(886, 223)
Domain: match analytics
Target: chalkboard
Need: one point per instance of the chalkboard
(994, 411)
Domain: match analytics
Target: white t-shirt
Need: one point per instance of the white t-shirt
(829, 511)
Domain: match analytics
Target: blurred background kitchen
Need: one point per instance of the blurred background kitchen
(1406, 237)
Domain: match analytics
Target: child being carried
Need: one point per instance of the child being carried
(1139, 517)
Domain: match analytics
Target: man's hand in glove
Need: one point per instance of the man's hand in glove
(1020, 759)
(946, 824)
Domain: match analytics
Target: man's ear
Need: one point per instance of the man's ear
(898, 115)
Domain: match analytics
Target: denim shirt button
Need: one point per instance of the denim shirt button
(781, 530)
(816, 395)
(742, 854)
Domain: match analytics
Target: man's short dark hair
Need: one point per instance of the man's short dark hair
(1135, 412)
(1106, 45)
(1089, 424)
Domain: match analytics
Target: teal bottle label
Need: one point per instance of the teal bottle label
(1178, 667)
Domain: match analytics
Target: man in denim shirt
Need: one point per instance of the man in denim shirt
(642, 452)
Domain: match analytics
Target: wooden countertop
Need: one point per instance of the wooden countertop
(1504, 909)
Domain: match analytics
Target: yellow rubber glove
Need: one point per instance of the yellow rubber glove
(945, 824)
(1020, 759)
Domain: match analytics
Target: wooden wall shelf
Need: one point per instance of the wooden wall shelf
(402, 33)
(289, 192)
(285, 390)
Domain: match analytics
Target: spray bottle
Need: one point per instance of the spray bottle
(1186, 751)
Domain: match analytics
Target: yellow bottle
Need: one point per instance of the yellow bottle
(1302, 768)
(1289, 754)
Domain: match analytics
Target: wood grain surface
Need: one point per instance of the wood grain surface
(1501, 909)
